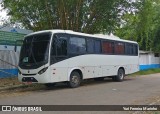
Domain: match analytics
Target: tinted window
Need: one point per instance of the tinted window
(156, 54)
(93, 46)
(97, 46)
(108, 47)
(129, 49)
(90, 45)
(59, 46)
(77, 45)
(35, 48)
(135, 49)
(119, 48)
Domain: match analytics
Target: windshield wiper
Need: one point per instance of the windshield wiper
(32, 52)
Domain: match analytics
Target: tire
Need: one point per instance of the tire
(75, 80)
(120, 75)
(50, 84)
(99, 79)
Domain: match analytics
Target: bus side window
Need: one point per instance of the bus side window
(135, 50)
(90, 45)
(59, 47)
(97, 46)
(119, 48)
(129, 49)
(93, 46)
(77, 45)
(108, 47)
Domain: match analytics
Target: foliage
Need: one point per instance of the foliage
(143, 25)
(90, 16)
(137, 20)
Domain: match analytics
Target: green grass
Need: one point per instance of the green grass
(146, 72)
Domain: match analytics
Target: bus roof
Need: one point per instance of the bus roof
(109, 37)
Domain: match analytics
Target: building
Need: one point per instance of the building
(148, 60)
(9, 35)
(8, 57)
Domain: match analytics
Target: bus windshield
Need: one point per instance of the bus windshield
(35, 50)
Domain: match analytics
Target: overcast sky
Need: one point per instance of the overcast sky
(3, 14)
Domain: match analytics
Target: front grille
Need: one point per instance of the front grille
(29, 79)
(28, 74)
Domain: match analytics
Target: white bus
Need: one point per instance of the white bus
(52, 56)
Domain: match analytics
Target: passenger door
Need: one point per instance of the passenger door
(58, 54)
(58, 48)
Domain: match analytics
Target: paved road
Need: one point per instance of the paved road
(133, 90)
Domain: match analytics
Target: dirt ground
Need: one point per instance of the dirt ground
(137, 90)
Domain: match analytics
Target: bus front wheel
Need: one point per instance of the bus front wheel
(75, 80)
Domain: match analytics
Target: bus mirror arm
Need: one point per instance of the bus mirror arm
(15, 46)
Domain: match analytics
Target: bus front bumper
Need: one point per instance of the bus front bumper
(43, 78)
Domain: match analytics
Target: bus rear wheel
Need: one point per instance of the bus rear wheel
(120, 75)
(75, 80)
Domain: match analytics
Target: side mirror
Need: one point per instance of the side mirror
(15, 48)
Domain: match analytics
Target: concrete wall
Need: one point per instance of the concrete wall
(15, 30)
(6, 69)
(8, 36)
(148, 61)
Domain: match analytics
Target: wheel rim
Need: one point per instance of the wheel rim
(121, 75)
(75, 80)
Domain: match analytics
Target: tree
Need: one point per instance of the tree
(89, 16)
(142, 25)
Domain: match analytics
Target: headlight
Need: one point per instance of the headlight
(43, 70)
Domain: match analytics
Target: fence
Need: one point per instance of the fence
(8, 63)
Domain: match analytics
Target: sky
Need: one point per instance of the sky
(3, 15)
